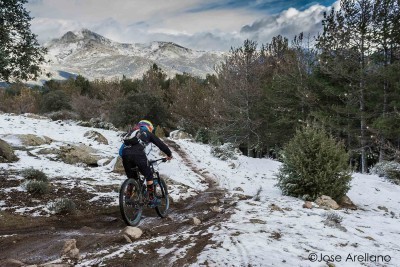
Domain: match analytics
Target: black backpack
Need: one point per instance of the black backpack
(133, 138)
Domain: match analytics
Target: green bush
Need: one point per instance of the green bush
(55, 101)
(37, 187)
(203, 136)
(33, 174)
(314, 164)
(63, 206)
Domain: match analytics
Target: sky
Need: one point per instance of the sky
(197, 24)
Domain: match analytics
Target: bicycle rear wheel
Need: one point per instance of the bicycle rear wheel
(161, 192)
(130, 202)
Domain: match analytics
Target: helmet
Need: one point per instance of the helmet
(146, 125)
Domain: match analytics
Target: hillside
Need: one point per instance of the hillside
(245, 220)
(96, 57)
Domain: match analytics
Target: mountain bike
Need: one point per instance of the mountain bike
(133, 196)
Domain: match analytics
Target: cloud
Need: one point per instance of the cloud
(288, 23)
(197, 24)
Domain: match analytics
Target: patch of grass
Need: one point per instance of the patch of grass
(33, 174)
(63, 206)
(36, 187)
(334, 217)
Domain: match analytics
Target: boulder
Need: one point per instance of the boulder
(345, 202)
(34, 140)
(118, 166)
(6, 152)
(48, 151)
(11, 263)
(96, 136)
(275, 207)
(196, 221)
(178, 134)
(72, 154)
(307, 205)
(70, 251)
(132, 233)
(326, 202)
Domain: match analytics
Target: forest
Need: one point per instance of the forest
(346, 79)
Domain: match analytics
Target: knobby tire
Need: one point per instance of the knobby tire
(130, 202)
(161, 192)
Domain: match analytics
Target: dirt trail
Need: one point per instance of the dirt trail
(173, 241)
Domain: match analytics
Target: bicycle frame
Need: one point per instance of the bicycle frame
(139, 182)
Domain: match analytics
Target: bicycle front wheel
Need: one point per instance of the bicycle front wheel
(161, 192)
(130, 202)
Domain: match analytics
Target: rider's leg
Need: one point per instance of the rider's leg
(128, 161)
(144, 168)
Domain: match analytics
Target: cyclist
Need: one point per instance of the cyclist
(133, 154)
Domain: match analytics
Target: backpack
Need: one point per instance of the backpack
(133, 138)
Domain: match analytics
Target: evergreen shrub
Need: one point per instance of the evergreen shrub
(33, 174)
(203, 136)
(63, 206)
(314, 164)
(37, 187)
(55, 101)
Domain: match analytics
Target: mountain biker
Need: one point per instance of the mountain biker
(133, 154)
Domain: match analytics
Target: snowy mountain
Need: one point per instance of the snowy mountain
(244, 220)
(94, 56)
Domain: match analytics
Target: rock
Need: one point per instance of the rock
(327, 202)
(118, 166)
(241, 196)
(383, 208)
(274, 207)
(238, 189)
(34, 140)
(212, 200)
(35, 116)
(6, 153)
(307, 205)
(257, 221)
(178, 134)
(232, 165)
(11, 263)
(72, 154)
(131, 233)
(47, 151)
(70, 250)
(52, 265)
(216, 209)
(345, 202)
(196, 221)
(96, 136)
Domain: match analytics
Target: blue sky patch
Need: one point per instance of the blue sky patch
(268, 6)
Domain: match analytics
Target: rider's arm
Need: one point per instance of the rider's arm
(160, 144)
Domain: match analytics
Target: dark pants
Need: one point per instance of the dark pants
(140, 160)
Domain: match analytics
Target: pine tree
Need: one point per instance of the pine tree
(314, 164)
(20, 52)
(345, 46)
(239, 96)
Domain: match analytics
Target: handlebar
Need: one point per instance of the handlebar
(156, 160)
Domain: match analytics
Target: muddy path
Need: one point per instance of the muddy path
(172, 241)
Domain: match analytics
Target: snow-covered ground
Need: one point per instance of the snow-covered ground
(267, 230)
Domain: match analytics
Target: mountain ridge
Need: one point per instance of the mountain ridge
(94, 56)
